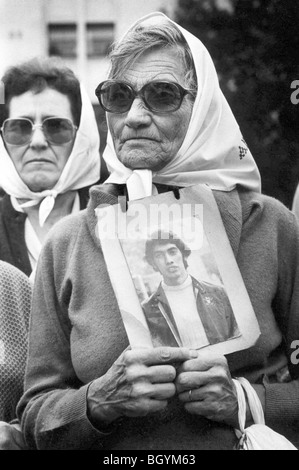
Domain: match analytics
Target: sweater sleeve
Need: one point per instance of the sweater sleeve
(53, 408)
(15, 300)
(282, 399)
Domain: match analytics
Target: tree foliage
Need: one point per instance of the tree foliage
(254, 45)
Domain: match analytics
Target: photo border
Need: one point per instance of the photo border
(205, 208)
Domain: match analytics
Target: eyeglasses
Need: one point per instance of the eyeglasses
(159, 97)
(19, 131)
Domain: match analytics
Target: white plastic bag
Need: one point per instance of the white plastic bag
(258, 436)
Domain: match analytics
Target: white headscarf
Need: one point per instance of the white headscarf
(213, 151)
(82, 167)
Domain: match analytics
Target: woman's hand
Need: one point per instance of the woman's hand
(139, 382)
(206, 388)
(11, 437)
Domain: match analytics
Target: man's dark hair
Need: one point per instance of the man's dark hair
(161, 237)
(38, 74)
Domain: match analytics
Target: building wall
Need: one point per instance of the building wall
(122, 12)
(24, 29)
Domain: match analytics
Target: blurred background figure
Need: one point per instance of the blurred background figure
(15, 300)
(49, 155)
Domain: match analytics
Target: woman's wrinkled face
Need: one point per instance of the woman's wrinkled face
(39, 163)
(146, 139)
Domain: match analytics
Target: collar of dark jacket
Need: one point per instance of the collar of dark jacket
(9, 212)
(159, 295)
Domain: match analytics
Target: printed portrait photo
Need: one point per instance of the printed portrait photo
(179, 286)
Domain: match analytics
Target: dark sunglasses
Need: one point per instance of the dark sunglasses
(159, 97)
(19, 131)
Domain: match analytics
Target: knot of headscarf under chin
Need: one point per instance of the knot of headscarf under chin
(47, 202)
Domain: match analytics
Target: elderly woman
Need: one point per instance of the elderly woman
(49, 155)
(85, 388)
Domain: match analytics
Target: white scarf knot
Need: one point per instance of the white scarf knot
(46, 205)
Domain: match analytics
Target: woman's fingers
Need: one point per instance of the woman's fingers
(163, 391)
(203, 362)
(195, 379)
(158, 356)
(191, 380)
(153, 374)
(147, 398)
(11, 437)
(214, 402)
(149, 390)
(140, 381)
(196, 394)
(202, 371)
(206, 389)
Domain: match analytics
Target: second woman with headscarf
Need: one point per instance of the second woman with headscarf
(49, 155)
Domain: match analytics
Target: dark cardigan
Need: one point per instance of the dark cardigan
(13, 247)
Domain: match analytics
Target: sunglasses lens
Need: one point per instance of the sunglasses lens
(58, 130)
(162, 96)
(17, 131)
(116, 97)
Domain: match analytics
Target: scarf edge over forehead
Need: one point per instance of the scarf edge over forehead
(213, 151)
(81, 169)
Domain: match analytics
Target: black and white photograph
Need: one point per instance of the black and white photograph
(175, 281)
(180, 289)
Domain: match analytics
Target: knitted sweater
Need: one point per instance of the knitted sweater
(77, 333)
(15, 299)
(13, 247)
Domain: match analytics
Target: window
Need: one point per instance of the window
(62, 40)
(99, 38)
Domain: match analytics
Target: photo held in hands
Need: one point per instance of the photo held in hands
(174, 274)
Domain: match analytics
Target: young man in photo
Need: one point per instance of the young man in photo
(184, 311)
